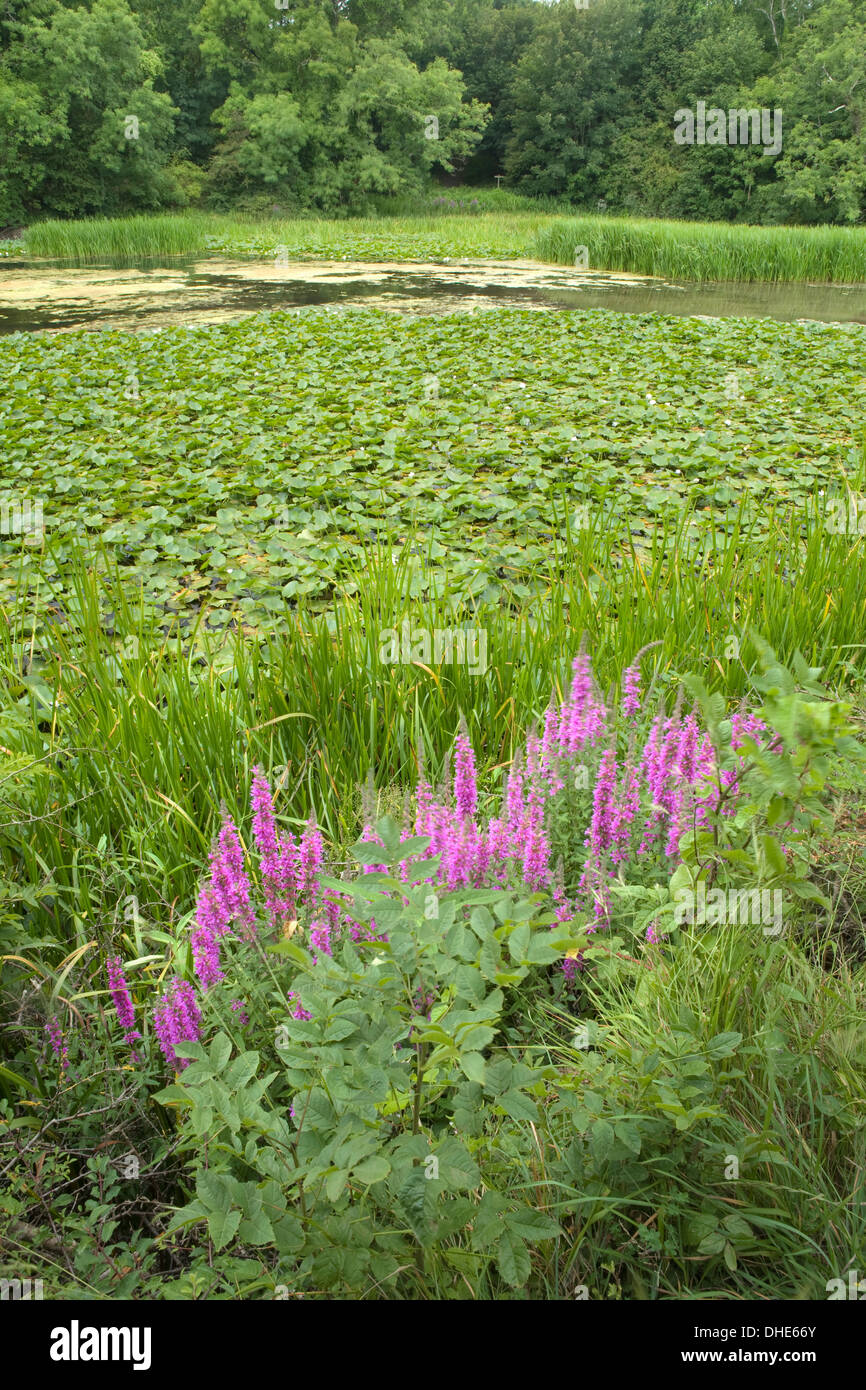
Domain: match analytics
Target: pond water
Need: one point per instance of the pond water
(56, 297)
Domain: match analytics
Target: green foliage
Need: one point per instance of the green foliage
(391, 1080)
(71, 86)
(326, 107)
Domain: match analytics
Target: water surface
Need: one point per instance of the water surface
(56, 297)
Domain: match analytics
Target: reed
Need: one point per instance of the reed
(700, 251)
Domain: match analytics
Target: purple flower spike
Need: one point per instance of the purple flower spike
(121, 998)
(177, 1019)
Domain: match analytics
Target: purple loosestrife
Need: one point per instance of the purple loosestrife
(331, 906)
(480, 858)
(121, 999)
(745, 726)
(656, 761)
(369, 836)
(310, 856)
(231, 887)
(462, 854)
(465, 788)
(205, 941)
(58, 1046)
(264, 825)
(573, 717)
(599, 838)
(550, 748)
(278, 855)
(583, 718)
(320, 938)
(631, 692)
(599, 834)
(514, 807)
(536, 847)
(625, 809)
(177, 1019)
(424, 806)
(684, 771)
(298, 1011)
(497, 850)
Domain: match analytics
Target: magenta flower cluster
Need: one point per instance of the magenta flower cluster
(177, 1019)
(673, 778)
(122, 1001)
(640, 803)
(58, 1045)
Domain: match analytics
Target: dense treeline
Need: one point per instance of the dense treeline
(122, 105)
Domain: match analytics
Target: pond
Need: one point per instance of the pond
(56, 297)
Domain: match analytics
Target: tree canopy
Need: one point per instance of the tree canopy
(122, 105)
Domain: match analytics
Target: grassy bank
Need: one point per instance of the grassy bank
(435, 234)
(472, 223)
(172, 726)
(708, 251)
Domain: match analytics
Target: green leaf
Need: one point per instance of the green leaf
(220, 1051)
(340, 1029)
(335, 1183)
(519, 1106)
(472, 1065)
(513, 1259)
(518, 942)
(374, 1169)
(457, 1169)
(601, 1139)
(256, 1230)
(628, 1133)
(713, 1244)
(222, 1226)
(482, 924)
(724, 1044)
(532, 1225)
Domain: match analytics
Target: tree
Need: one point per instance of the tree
(83, 127)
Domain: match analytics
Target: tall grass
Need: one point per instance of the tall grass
(434, 231)
(708, 250)
(122, 240)
(506, 226)
(793, 1114)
